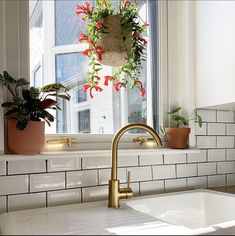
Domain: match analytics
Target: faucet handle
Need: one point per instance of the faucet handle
(128, 179)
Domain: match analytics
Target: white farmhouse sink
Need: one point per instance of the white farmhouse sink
(197, 209)
(189, 212)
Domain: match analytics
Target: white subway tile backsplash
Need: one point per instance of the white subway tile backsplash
(225, 167)
(124, 161)
(206, 141)
(135, 188)
(96, 163)
(197, 157)
(216, 181)
(225, 142)
(105, 176)
(82, 178)
(230, 179)
(25, 167)
(151, 187)
(164, 172)
(3, 204)
(216, 129)
(186, 170)
(230, 129)
(140, 173)
(175, 185)
(46, 182)
(13, 184)
(202, 130)
(151, 159)
(64, 164)
(225, 116)
(207, 168)
(207, 115)
(26, 201)
(174, 158)
(95, 193)
(230, 154)
(2, 168)
(216, 154)
(64, 197)
(197, 182)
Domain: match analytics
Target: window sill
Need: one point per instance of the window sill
(95, 153)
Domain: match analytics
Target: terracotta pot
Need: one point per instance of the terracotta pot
(177, 137)
(29, 141)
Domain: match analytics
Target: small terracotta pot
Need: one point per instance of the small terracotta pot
(30, 141)
(177, 137)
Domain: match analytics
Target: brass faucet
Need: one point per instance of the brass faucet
(115, 192)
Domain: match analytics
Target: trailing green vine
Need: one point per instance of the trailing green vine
(129, 73)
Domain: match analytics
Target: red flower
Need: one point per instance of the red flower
(99, 51)
(107, 79)
(126, 3)
(83, 37)
(118, 85)
(84, 9)
(91, 87)
(142, 92)
(86, 52)
(146, 25)
(140, 85)
(99, 24)
(143, 40)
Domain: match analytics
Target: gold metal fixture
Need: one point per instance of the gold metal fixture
(142, 139)
(115, 192)
(67, 140)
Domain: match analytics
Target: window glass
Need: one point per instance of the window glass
(68, 25)
(38, 82)
(65, 63)
(84, 121)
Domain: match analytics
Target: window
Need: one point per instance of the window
(54, 32)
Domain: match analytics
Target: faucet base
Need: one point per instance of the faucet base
(114, 194)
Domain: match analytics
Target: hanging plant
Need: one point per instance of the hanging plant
(114, 39)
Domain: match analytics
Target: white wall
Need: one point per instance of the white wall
(15, 59)
(2, 66)
(215, 52)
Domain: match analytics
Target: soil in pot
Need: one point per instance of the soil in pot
(30, 141)
(177, 137)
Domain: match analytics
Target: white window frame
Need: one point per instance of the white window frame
(83, 141)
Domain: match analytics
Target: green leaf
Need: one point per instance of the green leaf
(199, 120)
(18, 100)
(175, 110)
(22, 121)
(8, 104)
(14, 110)
(48, 116)
(66, 97)
(54, 88)
(26, 95)
(22, 82)
(34, 92)
(8, 78)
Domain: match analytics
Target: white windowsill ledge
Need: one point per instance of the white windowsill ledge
(95, 153)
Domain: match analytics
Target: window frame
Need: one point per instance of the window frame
(49, 61)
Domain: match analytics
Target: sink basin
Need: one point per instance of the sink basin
(191, 209)
(182, 213)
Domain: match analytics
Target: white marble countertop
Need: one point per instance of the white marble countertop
(86, 219)
(95, 153)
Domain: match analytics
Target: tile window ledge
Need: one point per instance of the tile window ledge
(95, 153)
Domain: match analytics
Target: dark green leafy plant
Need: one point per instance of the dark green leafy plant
(131, 27)
(180, 120)
(31, 103)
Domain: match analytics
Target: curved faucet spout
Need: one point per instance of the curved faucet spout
(115, 193)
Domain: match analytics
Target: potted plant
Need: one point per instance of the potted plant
(114, 39)
(178, 135)
(28, 112)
